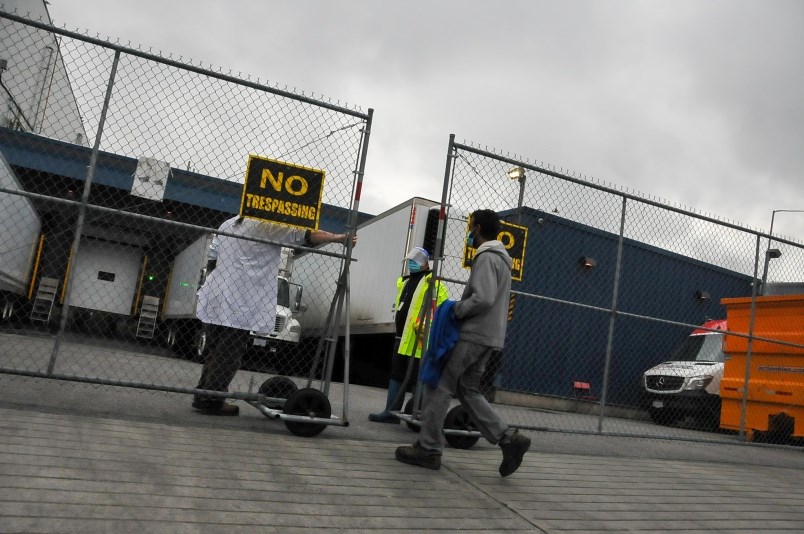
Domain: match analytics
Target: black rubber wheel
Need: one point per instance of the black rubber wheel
(709, 420)
(458, 419)
(309, 402)
(663, 417)
(757, 436)
(188, 340)
(280, 387)
(7, 310)
(409, 411)
(201, 346)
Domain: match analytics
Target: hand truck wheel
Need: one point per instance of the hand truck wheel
(307, 402)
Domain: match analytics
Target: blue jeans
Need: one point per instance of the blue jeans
(461, 378)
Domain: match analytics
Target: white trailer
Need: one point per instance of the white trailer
(181, 327)
(382, 244)
(19, 238)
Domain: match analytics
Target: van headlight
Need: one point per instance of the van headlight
(698, 382)
(295, 328)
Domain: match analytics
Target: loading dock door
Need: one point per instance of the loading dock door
(105, 276)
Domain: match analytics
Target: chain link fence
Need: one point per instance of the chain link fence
(622, 307)
(119, 168)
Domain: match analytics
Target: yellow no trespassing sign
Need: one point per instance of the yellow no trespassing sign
(282, 192)
(514, 237)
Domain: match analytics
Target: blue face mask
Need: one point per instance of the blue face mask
(470, 240)
(414, 267)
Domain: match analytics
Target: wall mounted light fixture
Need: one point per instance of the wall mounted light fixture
(587, 262)
(702, 295)
(171, 209)
(516, 173)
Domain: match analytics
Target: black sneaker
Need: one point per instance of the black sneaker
(513, 451)
(417, 455)
(216, 408)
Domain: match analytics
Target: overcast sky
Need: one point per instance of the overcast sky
(698, 102)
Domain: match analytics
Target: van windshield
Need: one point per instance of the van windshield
(283, 296)
(705, 348)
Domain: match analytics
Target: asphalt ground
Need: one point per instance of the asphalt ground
(89, 458)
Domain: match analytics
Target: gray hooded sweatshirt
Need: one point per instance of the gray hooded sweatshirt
(483, 308)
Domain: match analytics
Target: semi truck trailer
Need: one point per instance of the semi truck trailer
(382, 244)
(20, 228)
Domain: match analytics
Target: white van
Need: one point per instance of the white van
(689, 383)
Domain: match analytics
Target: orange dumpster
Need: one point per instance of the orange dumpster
(775, 401)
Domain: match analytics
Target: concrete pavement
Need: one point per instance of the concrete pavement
(76, 463)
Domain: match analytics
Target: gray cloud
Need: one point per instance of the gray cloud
(694, 101)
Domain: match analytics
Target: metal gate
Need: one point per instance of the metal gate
(117, 169)
(609, 284)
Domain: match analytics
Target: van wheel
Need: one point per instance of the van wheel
(709, 419)
(662, 417)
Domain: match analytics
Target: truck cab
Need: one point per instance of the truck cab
(282, 338)
(688, 384)
(287, 329)
(184, 333)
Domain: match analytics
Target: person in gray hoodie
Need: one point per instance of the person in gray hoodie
(483, 315)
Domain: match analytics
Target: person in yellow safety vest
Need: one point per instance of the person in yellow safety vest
(409, 342)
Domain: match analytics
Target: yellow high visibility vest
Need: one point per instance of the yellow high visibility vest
(408, 345)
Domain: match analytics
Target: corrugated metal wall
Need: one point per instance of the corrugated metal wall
(550, 345)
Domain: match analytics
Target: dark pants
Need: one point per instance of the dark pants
(399, 369)
(461, 378)
(487, 387)
(226, 349)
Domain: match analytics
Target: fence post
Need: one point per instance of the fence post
(612, 317)
(442, 215)
(82, 210)
(744, 403)
(352, 230)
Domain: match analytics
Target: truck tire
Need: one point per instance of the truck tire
(183, 339)
(200, 346)
(7, 311)
(170, 337)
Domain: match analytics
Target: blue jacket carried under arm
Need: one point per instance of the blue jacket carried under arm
(443, 336)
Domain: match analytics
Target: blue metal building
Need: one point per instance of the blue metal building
(550, 345)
